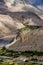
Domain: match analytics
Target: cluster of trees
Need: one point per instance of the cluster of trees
(32, 53)
(11, 53)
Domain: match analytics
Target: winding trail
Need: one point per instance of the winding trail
(12, 43)
(7, 46)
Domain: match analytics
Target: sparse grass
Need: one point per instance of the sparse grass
(29, 27)
(17, 63)
(15, 54)
(10, 63)
(10, 53)
(30, 63)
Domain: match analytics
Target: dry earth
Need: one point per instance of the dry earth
(35, 41)
(27, 17)
(8, 26)
(24, 8)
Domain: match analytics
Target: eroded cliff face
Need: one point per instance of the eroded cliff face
(34, 41)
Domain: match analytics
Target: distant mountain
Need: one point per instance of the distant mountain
(31, 1)
(2, 1)
(37, 3)
(14, 20)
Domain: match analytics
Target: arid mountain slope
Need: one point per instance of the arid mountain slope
(26, 7)
(8, 26)
(27, 18)
(34, 42)
(16, 17)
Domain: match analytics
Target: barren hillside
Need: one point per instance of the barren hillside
(27, 18)
(35, 41)
(8, 26)
(16, 17)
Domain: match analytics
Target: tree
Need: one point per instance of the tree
(3, 48)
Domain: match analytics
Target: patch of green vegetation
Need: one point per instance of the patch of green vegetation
(32, 53)
(30, 63)
(11, 53)
(17, 63)
(1, 60)
(29, 27)
(10, 63)
(5, 63)
(26, 28)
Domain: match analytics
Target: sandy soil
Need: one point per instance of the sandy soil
(35, 42)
